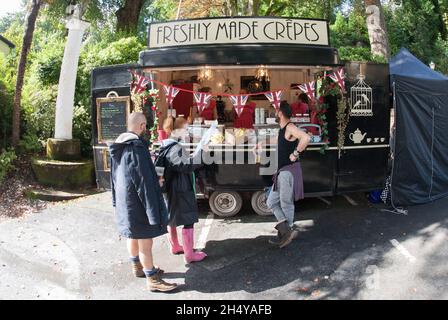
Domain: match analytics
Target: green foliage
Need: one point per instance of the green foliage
(49, 62)
(6, 100)
(414, 26)
(7, 158)
(30, 143)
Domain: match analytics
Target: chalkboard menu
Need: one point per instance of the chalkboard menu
(112, 116)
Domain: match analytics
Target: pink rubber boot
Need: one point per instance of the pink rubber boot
(175, 247)
(190, 254)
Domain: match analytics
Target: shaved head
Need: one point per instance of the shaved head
(137, 122)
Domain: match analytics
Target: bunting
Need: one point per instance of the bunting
(274, 98)
(170, 93)
(202, 100)
(338, 77)
(309, 89)
(238, 101)
(139, 83)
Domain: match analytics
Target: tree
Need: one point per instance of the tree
(128, 15)
(379, 42)
(33, 11)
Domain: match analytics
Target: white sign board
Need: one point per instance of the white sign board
(238, 30)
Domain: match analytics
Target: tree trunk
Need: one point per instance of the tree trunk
(26, 45)
(128, 15)
(231, 8)
(376, 26)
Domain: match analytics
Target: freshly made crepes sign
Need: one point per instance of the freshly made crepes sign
(238, 30)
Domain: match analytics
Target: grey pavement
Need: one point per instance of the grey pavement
(71, 251)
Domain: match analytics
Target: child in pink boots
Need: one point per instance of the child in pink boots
(178, 168)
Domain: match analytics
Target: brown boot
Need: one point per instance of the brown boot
(286, 233)
(155, 283)
(137, 270)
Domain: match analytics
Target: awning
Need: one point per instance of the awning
(237, 54)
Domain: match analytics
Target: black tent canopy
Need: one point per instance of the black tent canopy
(420, 166)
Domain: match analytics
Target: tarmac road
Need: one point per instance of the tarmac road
(345, 251)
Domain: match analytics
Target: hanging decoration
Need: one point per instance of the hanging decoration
(309, 89)
(138, 91)
(274, 98)
(338, 77)
(342, 117)
(361, 99)
(262, 73)
(205, 74)
(139, 83)
(202, 100)
(170, 93)
(238, 102)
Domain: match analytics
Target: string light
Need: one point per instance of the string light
(261, 73)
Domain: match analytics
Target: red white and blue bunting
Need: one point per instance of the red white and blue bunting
(309, 88)
(239, 101)
(139, 83)
(274, 98)
(202, 100)
(170, 93)
(338, 77)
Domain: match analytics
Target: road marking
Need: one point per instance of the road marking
(350, 200)
(205, 231)
(324, 200)
(403, 250)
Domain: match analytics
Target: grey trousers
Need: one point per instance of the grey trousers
(281, 202)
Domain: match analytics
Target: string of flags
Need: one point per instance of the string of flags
(202, 99)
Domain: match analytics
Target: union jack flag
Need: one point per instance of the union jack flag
(202, 100)
(170, 93)
(139, 83)
(238, 102)
(309, 89)
(274, 98)
(338, 77)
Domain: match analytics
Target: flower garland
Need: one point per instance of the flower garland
(343, 117)
(139, 101)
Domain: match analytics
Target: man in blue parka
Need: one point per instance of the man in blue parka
(140, 210)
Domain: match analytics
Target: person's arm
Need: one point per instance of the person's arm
(180, 162)
(303, 137)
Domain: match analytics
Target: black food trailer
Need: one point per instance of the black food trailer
(226, 55)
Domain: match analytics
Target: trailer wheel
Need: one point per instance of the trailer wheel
(225, 203)
(259, 205)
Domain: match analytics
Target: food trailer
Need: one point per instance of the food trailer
(253, 58)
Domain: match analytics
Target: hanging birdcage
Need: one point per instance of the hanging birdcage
(361, 99)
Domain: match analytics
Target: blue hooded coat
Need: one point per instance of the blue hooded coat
(140, 209)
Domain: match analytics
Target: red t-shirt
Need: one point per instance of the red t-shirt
(299, 107)
(246, 119)
(207, 113)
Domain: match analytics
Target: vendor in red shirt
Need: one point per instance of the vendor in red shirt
(301, 106)
(246, 118)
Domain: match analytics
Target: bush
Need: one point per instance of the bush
(49, 62)
(6, 162)
(30, 143)
(6, 100)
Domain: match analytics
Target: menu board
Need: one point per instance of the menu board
(112, 116)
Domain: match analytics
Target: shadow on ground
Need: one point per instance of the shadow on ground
(334, 258)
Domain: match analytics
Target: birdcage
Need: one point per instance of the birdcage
(361, 99)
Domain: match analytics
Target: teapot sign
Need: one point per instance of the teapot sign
(357, 136)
